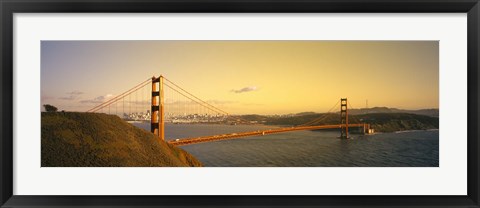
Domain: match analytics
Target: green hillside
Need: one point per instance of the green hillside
(389, 122)
(381, 122)
(99, 140)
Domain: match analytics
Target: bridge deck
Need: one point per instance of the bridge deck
(187, 141)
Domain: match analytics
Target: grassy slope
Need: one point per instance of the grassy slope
(100, 140)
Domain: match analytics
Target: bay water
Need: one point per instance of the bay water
(307, 148)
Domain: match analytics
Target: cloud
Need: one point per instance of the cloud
(246, 89)
(72, 95)
(75, 92)
(46, 97)
(220, 102)
(99, 99)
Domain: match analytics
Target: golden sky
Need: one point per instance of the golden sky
(244, 77)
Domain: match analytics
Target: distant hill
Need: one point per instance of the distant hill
(381, 122)
(305, 113)
(99, 140)
(390, 122)
(425, 112)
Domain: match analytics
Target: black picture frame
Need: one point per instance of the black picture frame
(9, 7)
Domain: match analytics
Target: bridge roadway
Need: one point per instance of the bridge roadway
(195, 140)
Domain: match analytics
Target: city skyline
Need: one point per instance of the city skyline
(247, 77)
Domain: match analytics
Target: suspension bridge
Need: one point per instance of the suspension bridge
(158, 101)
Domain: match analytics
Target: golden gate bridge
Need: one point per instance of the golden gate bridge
(158, 100)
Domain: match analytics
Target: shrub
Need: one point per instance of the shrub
(50, 108)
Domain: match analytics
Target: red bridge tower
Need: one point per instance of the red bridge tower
(344, 118)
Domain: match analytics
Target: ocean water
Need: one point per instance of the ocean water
(308, 148)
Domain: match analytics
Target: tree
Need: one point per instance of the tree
(50, 108)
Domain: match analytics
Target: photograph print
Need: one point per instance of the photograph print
(233, 103)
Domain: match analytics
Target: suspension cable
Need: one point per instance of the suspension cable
(322, 117)
(118, 97)
(350, 105)
(224, 112)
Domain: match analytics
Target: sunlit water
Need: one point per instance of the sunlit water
(308, 148)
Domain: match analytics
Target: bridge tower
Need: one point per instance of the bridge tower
(157, 125)
(344, 118)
